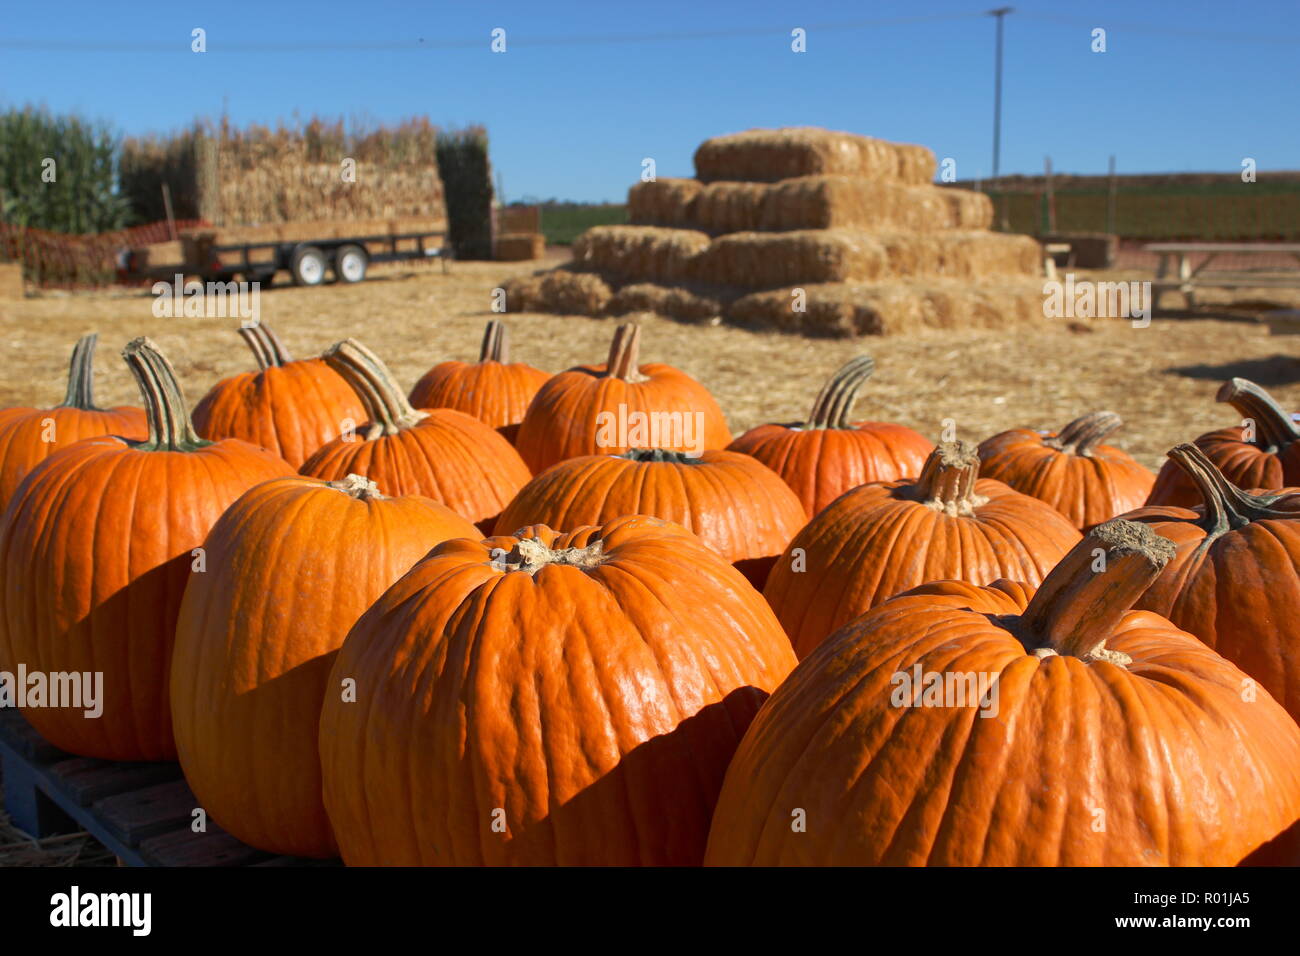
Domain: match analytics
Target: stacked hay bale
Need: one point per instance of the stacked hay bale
(806, 230)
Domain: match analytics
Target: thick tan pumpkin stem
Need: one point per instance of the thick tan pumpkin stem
(531, 555)
(1080, 603)
(624, 352)
(1227, 507)
(387, 409)
(1274, 428)
(496, 343)
(835, 400)
(266, 346)
(170, 428)
(1085, 433)
(359, 487)
(81, 375)
(660, 454)
(947, 480)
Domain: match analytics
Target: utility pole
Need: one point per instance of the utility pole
(1000, 13)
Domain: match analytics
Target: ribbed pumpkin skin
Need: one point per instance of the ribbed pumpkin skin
(876, 541)
(493, 392)
(291, 409)
(563, 420)
(291, 566)
(1245, 464)
(95, 553)
(1087, 489)
(448, 456)
(1186, 773)
(820, 464)
(738, 507)
(597, 706)
(22, 431)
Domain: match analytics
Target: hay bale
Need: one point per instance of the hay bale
(561, 290)
(675, 302)
(724, 207)
(967, 209)
(841, 310)
(756, 260)
(639, 252)
(664, 202)
(519, 246)
(11, 280)
(766, 155)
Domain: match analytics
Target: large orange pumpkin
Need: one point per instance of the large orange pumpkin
(828, 454)
(1262, 452)
(547, 699)
(30, 435)
(1071, 470)
(877, 540)
(612, 408)
(738, 507)
(291, 566)
(495, 390)
(959, 725)
(1235, 580)
(440, 453)
(289, 407)
(97, 547)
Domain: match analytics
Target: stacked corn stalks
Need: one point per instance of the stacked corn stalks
(807, 230)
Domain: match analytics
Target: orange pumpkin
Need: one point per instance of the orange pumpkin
(96, 549)
(291, 566)
(30, 435)
(1070, 470)
(960, 726)
(1262, 452)
(877, 540)
(495, 390)
(738, 507)
(289, 407)
(612, 408)
(547, 699)
(1235, 580)
(828, 454)
(440, 453)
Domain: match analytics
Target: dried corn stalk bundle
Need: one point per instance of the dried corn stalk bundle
(639, 252)
(841, 310)
(673, 301)
(765, 155)
(559, 290)
(664, 202)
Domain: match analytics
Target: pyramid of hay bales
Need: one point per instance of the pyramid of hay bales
(806, 230)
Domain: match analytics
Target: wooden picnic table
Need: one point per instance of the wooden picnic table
(1188, 279)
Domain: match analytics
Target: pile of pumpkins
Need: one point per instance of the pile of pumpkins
(464, 626)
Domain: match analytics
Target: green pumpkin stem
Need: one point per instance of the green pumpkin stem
(1274, 428)
(624, 352)
(1083, 599)
(267, 349)
(1085, 433)
(834, 402)
(496, 343)
(81, 375)
(170, 427)
(1227, 507)
(387, 410)
(947, 479)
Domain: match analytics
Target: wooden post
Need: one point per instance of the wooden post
(167, 205)
(1112, 195)
(1051, 196)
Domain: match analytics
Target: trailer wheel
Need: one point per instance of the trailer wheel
(350, 263)
(307, 265)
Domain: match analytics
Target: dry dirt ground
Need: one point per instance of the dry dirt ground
(1160, 379)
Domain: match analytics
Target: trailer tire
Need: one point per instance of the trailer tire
(307, 265)
(350, 263)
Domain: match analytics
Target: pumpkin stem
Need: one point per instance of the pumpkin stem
(660, 454)
(266, 346)
(1083, 434)
(496, 343)
(387, 409)
(357, 486)
(81, 375)
(624, 352)
(947, 480)
(1227, 507)
(1274, 428)
(531, 555)
(1082, 600)
(170, 428)
(835, 400)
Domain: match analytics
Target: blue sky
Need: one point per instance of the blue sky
(586, 90)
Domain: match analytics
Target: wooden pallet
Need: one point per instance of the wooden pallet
(142, 812)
